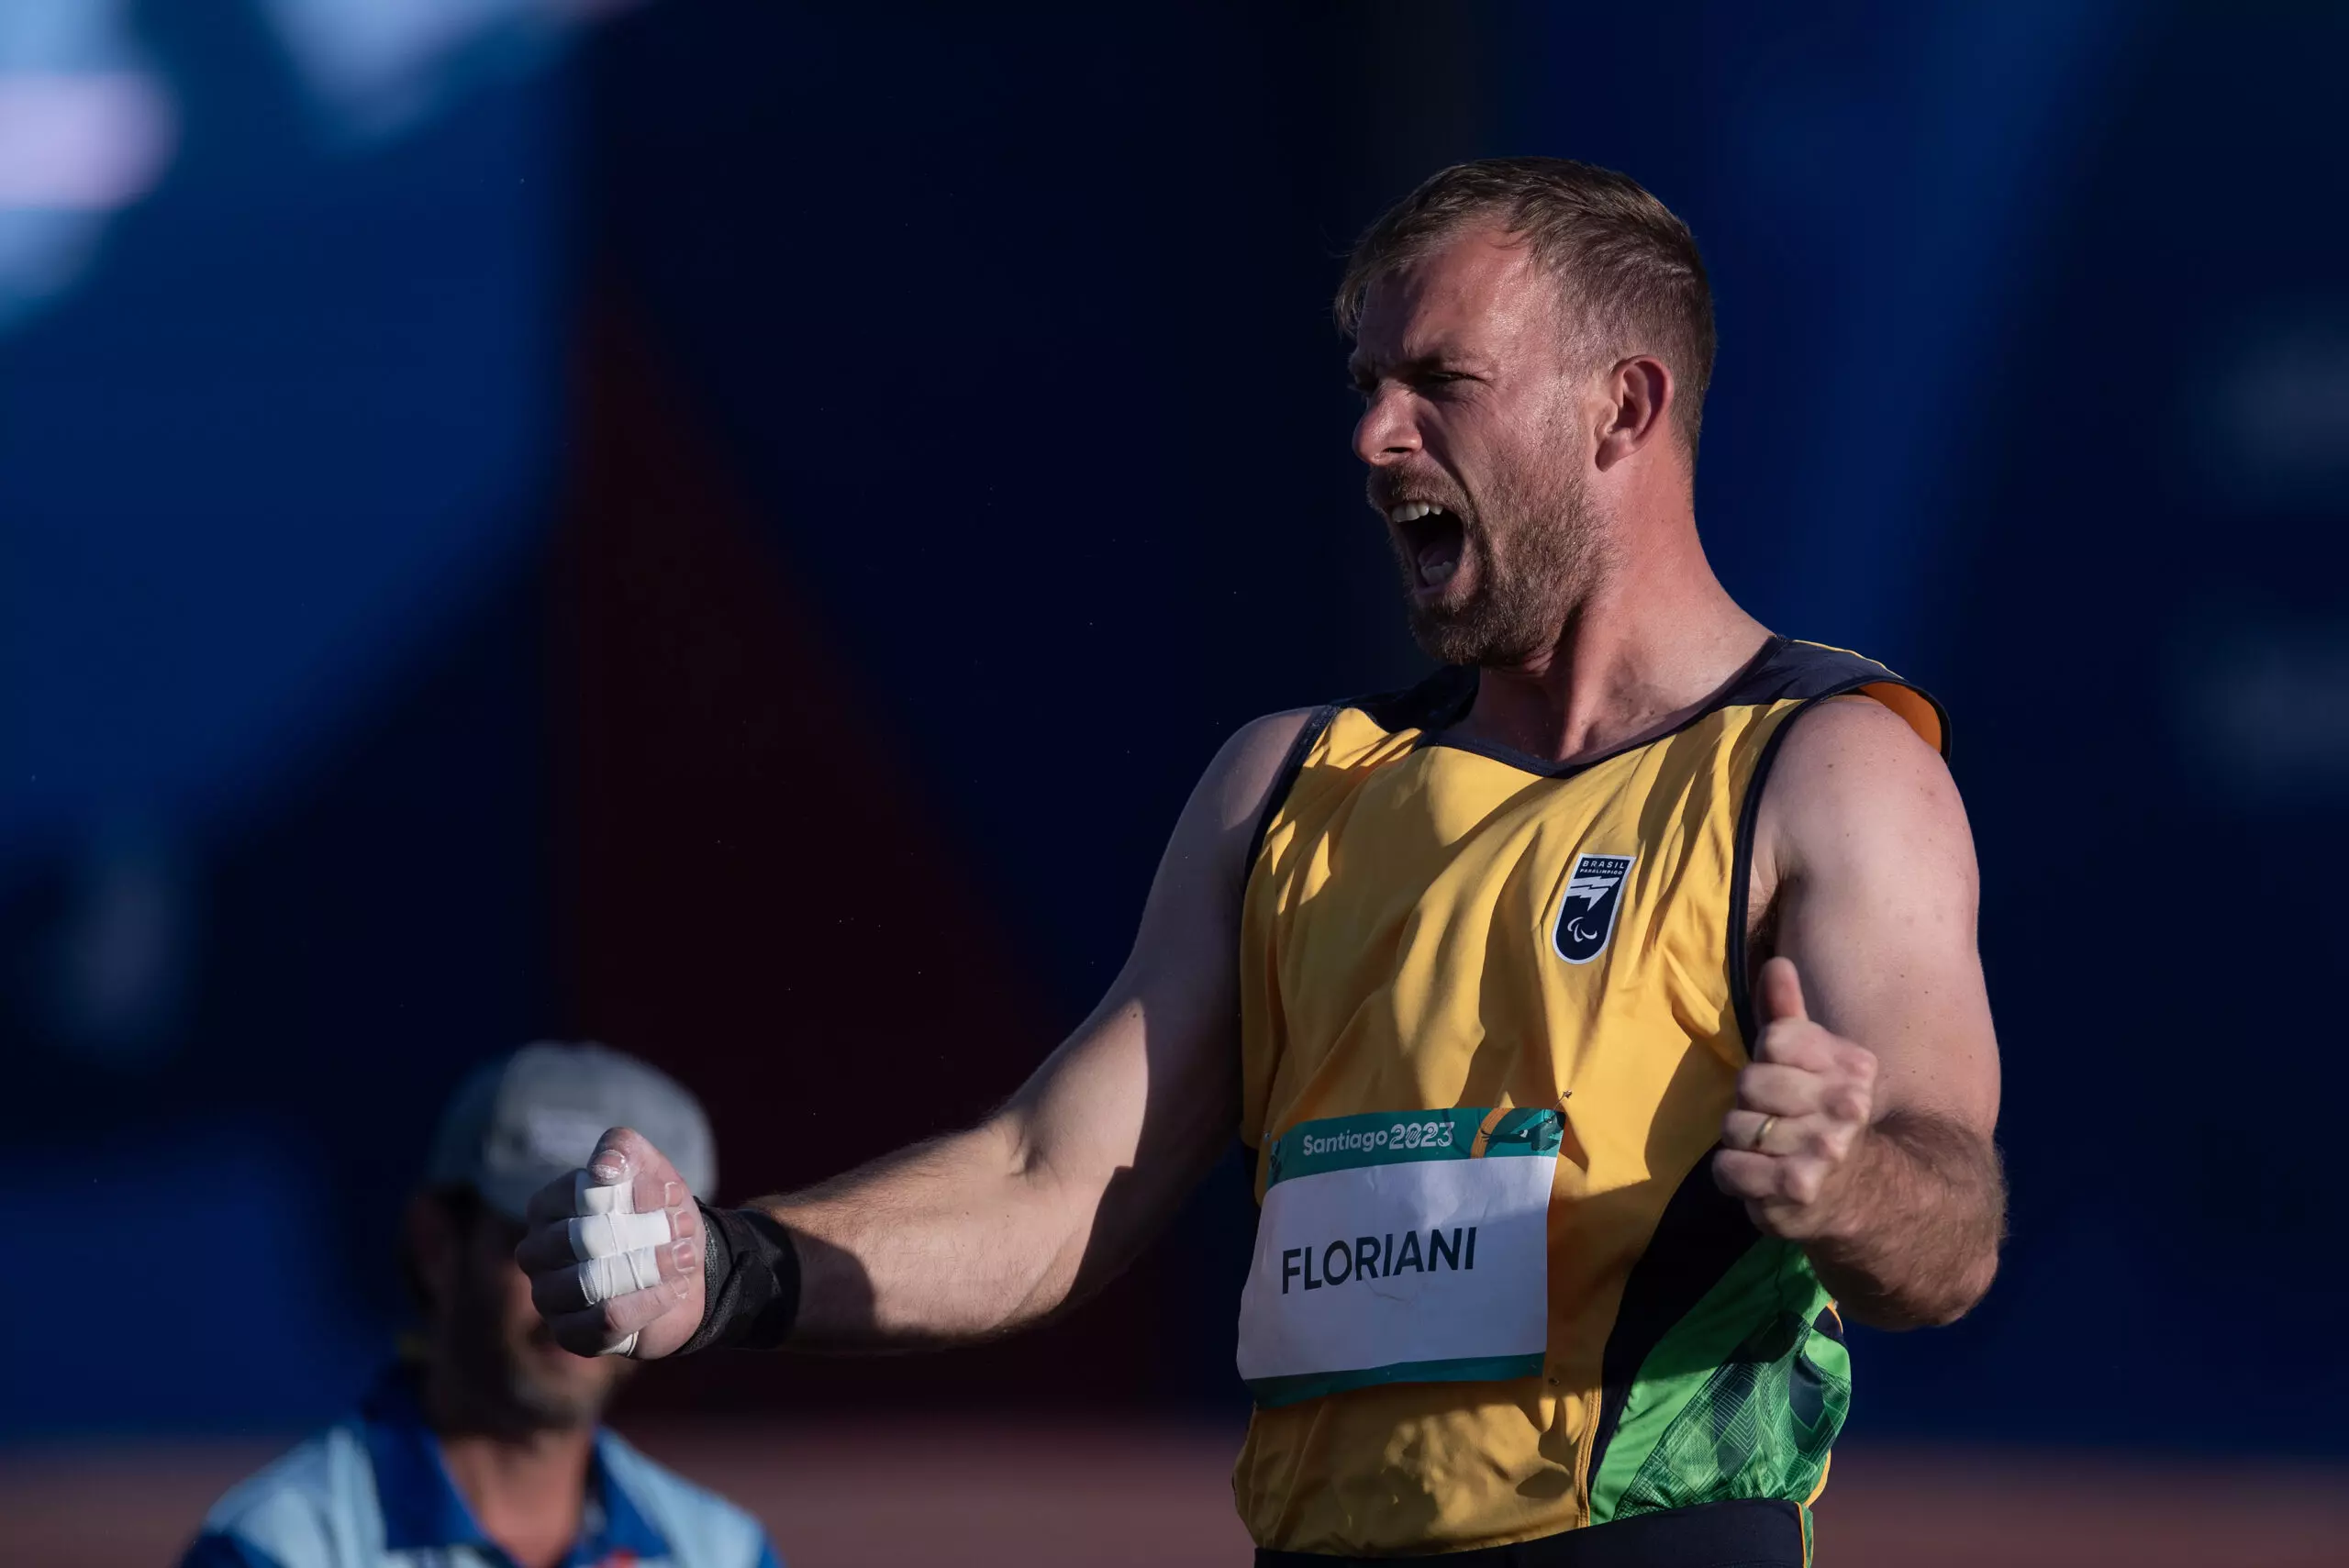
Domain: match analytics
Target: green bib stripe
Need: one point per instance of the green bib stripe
(1349, 1142)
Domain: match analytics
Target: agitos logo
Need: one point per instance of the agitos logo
(1376, 1257)
(1587, 913)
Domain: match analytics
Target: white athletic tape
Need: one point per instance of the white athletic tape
(596, 1236)
(600, 1279)
(587, 1197)
(616, 1246)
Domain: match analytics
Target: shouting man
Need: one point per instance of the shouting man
(1603, 1013)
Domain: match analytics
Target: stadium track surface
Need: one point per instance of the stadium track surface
(867, 1494)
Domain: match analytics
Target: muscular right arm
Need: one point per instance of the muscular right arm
(980, 1232)
(983, 1232)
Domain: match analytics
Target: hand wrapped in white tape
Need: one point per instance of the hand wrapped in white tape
(614, 1253)
(614, 1244)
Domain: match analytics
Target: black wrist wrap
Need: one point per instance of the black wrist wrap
(749, 1281)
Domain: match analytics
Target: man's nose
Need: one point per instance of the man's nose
(1387, 433)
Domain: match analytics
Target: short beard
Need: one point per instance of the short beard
(1533, 558)
(547, 1406)
(505, 1391)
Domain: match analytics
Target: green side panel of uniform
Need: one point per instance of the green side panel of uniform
(1740, 1398)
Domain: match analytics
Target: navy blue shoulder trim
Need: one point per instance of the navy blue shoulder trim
(1781, 670)
(1789, 671)
(1292, 764)
(1784, 669)
(1444, 699)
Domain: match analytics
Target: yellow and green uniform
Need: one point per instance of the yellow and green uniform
(1493, 1011)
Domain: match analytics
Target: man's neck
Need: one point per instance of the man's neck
(1642, 651)
(529, 1493)
(526, 1485)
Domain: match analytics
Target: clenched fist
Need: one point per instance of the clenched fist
(1803, 1105)
(614, 1252)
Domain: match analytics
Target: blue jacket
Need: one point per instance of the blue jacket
(372, 1492)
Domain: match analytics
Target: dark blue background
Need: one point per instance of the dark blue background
(734, 531)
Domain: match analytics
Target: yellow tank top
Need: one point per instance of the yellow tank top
(1493, 1013)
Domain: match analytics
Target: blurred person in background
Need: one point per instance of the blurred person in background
(1604, 1013)
(481, 1447)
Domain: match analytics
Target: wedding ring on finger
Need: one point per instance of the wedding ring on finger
(1762, 1133)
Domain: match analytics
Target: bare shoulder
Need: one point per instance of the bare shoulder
(1207, 859)
(1864, 876)
(1852, 779)
(1855, 734)
(1242, 777)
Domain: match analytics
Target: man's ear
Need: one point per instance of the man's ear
(1640, 391)
(433, 1244)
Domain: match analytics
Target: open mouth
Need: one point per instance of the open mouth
(1433, 541)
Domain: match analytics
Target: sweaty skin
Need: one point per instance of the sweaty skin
(1579, 585)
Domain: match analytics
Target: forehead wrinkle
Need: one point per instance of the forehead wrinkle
(1479, 282)
(1365, 361)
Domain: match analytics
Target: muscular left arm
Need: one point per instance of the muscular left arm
(1874, 1085)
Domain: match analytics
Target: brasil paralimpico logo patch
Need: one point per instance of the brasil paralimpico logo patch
(1586, 914)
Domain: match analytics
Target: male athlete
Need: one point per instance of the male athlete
(1603, 1013)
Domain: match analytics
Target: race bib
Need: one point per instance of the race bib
(1403, 1248)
